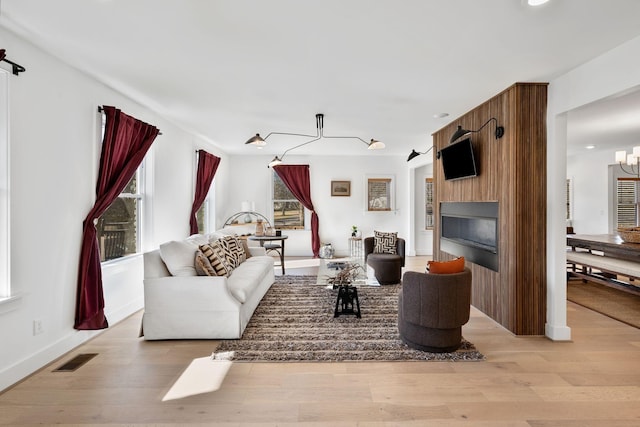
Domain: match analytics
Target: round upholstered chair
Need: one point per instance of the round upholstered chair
(432, 309)
(387, 267)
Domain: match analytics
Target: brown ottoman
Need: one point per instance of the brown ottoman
(387, 267)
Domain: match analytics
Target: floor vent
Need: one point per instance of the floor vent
(76, 362)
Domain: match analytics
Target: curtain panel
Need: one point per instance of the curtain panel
(126, 141)
(207, 167)
(296, 178)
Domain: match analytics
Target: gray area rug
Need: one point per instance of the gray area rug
(294, 322)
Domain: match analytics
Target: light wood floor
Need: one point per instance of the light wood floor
(525, 381)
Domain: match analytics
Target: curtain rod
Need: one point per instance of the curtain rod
(100, 110)
(16, 68)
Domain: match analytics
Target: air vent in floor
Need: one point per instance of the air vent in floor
(76, 362)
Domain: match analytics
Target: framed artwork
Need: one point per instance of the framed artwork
(380, 194)
(341, 188)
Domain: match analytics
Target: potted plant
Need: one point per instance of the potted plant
(354, 231)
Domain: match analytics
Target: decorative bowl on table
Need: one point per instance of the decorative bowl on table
(629, 234)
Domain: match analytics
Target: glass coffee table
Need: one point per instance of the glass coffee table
(329, 270)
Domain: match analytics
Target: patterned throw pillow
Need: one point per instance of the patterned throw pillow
(234, 251)
(215, 253)
(203, 266)
(384, 243)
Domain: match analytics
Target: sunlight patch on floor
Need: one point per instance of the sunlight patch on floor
(203, 375)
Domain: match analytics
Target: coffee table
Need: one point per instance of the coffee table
(329, 268)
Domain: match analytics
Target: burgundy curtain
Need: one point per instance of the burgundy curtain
(126, 141)
(296, 178)
(207, 167)
(2, 54)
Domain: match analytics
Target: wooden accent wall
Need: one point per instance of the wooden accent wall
(512, 171)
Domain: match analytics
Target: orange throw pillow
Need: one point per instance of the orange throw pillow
(446, 267)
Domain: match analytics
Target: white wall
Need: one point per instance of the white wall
(589, 173)
(54, 156)
(336, 214)
(611, 73)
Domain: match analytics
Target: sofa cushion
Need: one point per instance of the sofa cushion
(247, 276)
(234, 251)
(446, 267)
(215, 253)
(203, 266)
(179, 257)
(384, 243)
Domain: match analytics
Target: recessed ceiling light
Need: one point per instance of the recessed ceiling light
(536, 2)
(440, 115)
(590, 147)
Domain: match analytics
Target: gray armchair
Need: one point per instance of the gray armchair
(432, 309)
(387, 267)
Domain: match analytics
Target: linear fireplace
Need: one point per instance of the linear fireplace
(470, 229)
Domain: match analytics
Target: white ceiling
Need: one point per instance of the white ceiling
(381, 69)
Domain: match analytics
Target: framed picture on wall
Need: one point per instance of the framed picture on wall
(341, 188)
(380, 193)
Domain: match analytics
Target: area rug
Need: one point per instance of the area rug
(295, 322)
(614, 303)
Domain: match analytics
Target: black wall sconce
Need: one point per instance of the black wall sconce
(415, 154)
(459, 133)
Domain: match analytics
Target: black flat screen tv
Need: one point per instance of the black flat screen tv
(458, 160)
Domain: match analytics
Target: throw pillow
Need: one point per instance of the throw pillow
(215, 253)
(446, 267)
(203, 266)
(245, 245)
(384, 243)
(178, 257)
(234, 251)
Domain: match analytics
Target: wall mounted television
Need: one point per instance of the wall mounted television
(458, 160)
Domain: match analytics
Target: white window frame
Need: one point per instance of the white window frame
(9, 298)
(306, 213)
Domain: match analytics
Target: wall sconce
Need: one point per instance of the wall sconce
(415, 154)
(632, 160)
(462, 132)
(258, 141)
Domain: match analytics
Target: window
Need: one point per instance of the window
(627, 202)
(201, 216)
(288, 212)
(119, 227)
(5, 284)
(428, 204)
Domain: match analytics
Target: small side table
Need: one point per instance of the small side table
(355, 247)
(272, 247)
(347, 301)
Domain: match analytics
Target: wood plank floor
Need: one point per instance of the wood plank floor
(525, 381)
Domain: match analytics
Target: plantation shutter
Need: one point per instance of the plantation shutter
(627, 191)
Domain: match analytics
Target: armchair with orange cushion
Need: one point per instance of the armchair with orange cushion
(432, 307)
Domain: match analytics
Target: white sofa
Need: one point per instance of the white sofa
(202, 307)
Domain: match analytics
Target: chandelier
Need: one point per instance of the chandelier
(258, 141)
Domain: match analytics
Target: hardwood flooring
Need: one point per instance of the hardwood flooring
(594, 380)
